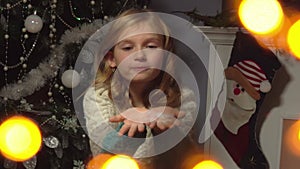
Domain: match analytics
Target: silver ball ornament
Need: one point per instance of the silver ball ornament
(70, 78)
(33, 23)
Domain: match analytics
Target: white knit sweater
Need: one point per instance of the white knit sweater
(98, 108)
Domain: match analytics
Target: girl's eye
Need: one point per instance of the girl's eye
(127, 48)
(152, 46)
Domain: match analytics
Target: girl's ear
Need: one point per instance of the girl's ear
(111, 59)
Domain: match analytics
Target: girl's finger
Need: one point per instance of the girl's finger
(124, 129)
(132, 130)
(180, 115)
(152, 124)
(117, 118)
(160, 125)
(141, 127)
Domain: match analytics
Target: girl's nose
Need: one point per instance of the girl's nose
(140, 55)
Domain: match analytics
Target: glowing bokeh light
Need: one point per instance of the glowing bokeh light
(262, 17)
(120, 161)
(293, 39)
(208, 164)
(299, 135)
(98, 161)
(292, 138)
(20, 138)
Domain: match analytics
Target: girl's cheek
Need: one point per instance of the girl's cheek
(121, 59)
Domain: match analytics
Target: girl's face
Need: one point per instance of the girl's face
(139, 58)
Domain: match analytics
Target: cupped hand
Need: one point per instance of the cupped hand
(132, 119)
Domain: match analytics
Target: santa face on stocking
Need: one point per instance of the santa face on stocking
(244, 81)
(239, 107)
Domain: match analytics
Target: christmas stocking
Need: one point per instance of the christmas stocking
(248, 77)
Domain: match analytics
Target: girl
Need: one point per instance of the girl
(134, 92)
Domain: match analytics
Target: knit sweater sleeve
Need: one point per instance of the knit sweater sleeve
(97, 111)
(189, 108)
(98, 108)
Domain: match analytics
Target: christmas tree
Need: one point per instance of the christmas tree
(39, 44)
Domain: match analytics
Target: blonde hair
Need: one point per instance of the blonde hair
(166, 82)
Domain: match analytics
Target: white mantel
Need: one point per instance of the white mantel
(220, 35)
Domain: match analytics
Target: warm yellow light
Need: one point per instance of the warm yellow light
(292, 137)
(293, 39)
(208, 164)
(98, 161)
(20, 138)
(263, 17)
(299, 135)
(121, 161)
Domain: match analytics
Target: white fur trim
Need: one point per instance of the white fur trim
(265, 86)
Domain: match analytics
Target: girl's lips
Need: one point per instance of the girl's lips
(139, 68)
